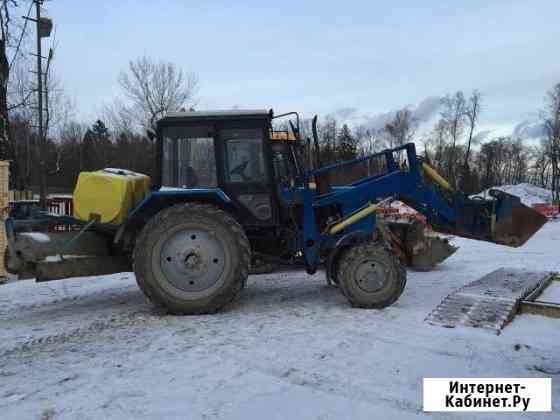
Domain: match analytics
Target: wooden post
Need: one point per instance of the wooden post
(4, 206)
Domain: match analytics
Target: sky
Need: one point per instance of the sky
(352, 58)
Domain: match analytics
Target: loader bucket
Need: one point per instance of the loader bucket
(503, 220)
(517, 224)
(436, 251)
(418, 249)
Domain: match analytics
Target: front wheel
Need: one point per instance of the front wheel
(370, 276)
(192, 259)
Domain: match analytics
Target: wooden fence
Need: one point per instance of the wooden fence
(15, 195)
(4, 206)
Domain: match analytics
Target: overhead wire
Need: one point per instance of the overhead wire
(24, 29)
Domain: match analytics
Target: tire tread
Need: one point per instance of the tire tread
(142, 250)
(351, 255)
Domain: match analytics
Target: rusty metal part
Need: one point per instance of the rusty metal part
(397, 246)
(415, 248)
(523, 223)
(549, 309)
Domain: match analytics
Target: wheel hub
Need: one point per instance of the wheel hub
(371, 276)
(192, 259)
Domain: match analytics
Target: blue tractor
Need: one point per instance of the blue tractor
(231, 191)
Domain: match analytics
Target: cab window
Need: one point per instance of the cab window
(281, 163)
(244, 160)
(188, 159)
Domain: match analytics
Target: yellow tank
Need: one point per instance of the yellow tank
(109, 194)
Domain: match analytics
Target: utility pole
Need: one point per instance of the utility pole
(42, 148)
(44, 28)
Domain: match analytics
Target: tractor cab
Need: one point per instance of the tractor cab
(235, 152)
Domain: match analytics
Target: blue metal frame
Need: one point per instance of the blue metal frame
(158, 200)
(404, 183)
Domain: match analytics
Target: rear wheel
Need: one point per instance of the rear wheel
(370, 276)
(192, 259)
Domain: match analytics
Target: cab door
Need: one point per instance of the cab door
(245, 174)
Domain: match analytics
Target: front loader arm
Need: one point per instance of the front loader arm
(503, 219)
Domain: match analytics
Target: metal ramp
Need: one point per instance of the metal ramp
(491, 301)
(541, 302)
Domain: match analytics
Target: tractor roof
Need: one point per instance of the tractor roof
(218, 114)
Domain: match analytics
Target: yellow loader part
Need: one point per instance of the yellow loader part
(109, 194)
(436, 177)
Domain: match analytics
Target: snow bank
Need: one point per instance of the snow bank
(528, 193)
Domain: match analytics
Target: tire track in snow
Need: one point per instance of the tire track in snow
(95, 327)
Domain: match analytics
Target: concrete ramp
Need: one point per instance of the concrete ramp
(489, 302)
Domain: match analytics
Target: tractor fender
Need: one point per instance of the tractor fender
(351, 238)
(159, 200)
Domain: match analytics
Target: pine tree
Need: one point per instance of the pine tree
(97, 149)
(346, 144)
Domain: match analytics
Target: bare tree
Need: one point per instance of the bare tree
(58, 111)
(13, 34)
(541, 163)
(5, 26)
(551, 122)
(401, 129)
(58, 106)
(369, 140)
(328, 130)
(472, 112)
(453, 116)
(152, 89)
(20, 90)
(439, 139)
(119, 118)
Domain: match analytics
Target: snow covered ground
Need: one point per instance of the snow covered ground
(291, 347)
(528, 193)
